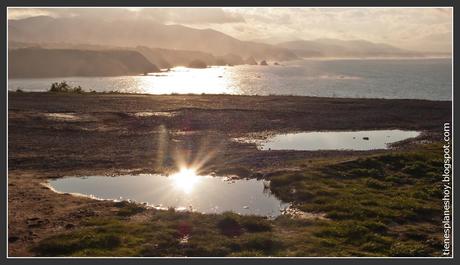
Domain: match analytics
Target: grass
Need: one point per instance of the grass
(161, 236)
(379, 205)
(129, 209)
(370, 201)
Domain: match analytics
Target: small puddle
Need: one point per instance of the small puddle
(144, 114)
(62, 116)
(182, 191)
(344, 140)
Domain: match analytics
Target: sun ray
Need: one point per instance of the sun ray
(185, 180)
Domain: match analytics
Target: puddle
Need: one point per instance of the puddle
(182, 191)
(68, 117)
(62, 116)
(155, 114)
(343, 140)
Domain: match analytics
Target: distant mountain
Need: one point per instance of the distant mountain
(132, 33)
(38, 62)
(165, 58)
(62, 45)
(345, 48)
(197, 64)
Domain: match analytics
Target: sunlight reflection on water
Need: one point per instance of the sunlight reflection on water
(346, 140)
(182, 80)
(423, 79)
(183, 190)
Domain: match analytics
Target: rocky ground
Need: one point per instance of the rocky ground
(53, 135)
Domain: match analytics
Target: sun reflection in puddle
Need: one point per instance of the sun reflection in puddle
(185, 180)
(185, 190)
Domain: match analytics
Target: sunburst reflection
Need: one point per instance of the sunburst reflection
(185, 180)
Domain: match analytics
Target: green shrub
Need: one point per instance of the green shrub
(280, 181)
(129, 208)
(304, 195)
(263, 242)
(375, 184)
(376, 226)
(68, 244)
(229, 224)
(408, 249)
(416, 169)
(64, 87)
(365, 172)
(256, 224)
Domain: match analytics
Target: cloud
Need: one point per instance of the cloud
(161, 15)
(20, 13)
(192, 15)
(402, 27)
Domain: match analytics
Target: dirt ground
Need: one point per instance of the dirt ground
(52, 135)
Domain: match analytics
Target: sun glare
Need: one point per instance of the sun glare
(185, 180)
(183, 80)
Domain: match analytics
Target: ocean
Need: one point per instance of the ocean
(429, 79)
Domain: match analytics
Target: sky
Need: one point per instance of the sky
(418, 29)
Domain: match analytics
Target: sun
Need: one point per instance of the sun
(185, 180)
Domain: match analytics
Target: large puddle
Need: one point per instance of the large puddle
(343, 140)
(182, 191)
